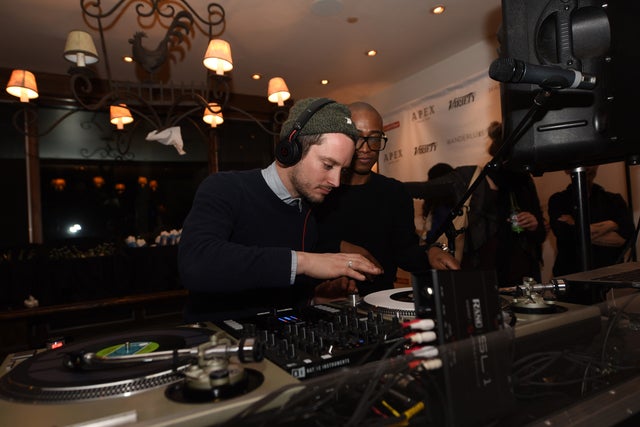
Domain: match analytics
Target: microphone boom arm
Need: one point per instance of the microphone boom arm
(447, 226)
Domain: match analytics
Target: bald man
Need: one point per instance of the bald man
(373, 214)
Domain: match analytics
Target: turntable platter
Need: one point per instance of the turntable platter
(536, 307)
(394, 302)
(45, 378)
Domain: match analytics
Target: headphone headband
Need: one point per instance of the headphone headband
(304, 117)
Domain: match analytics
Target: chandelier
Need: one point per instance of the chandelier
(162, 106)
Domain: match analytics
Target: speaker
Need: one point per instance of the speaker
(288, 150)
(574, 127)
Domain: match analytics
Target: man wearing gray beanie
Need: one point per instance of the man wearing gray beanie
(247, 245)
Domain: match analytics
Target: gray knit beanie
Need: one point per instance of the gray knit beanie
(331, 118)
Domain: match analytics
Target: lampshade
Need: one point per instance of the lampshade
(218, 56)
(120, 115)
(22, 84)
(80, 49)
(213, 115)
(278, 91)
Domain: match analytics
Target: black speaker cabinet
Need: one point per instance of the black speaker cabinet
(574, 127)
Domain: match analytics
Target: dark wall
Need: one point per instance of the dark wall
(125, 202)
(13, 214)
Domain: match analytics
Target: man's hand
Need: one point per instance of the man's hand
(442, 260)
(331, 266)
(334, 290)
(355, 249)
(566, 218)
(527, 220)
(605, 233)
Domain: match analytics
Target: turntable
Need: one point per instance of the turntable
(192, 375)
(541, 322)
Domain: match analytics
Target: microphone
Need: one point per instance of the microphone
(509, 70)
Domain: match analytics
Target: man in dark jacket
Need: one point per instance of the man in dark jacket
(373, 214)
(611, 226)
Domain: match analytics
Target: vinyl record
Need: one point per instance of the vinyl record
(392, 302)
(45, 377)
(536, 307)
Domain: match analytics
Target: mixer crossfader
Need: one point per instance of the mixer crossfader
(317, 339)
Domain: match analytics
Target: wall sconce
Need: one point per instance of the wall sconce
(218, 56)
(213, 114)
(58, 184)
(22, 84)
(98, 181)
(80, 49)
(120, 115)
(278, 92)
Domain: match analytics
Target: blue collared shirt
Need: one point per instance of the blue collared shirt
(270, 175)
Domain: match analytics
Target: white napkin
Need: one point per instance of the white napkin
(169, 136)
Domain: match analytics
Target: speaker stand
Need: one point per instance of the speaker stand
(583, 218)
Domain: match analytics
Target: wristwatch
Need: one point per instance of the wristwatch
(440, 245)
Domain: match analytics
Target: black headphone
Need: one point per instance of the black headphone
(288, 150)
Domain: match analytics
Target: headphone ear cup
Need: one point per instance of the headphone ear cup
(288, 151)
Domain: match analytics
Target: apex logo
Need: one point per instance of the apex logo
(423, 114)
(392, 155)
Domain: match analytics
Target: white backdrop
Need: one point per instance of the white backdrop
(450, 126)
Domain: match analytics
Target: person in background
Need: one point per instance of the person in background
(373, 214)
(520, 224)
(611, 226)
(437, 209)
(505, 228)
(248, 243)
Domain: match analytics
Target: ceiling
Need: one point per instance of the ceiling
(303, 41)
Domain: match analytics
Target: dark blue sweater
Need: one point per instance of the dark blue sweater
(235, 250)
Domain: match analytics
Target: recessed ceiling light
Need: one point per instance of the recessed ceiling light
(326, 7)
(127, 59)
(437, 10)
(256, 76)
(371, 52)
(324, 82)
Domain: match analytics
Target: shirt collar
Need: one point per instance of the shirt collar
(270, 175)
